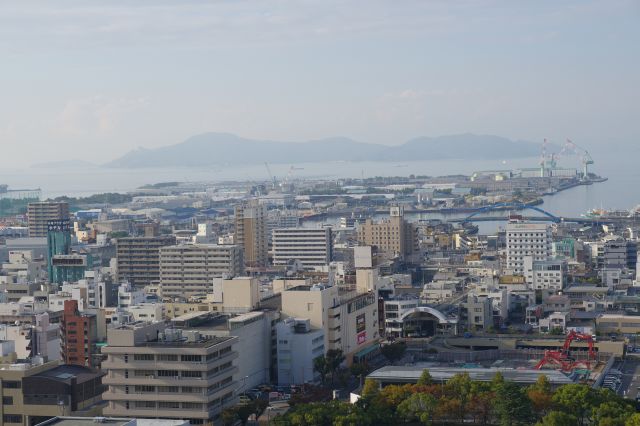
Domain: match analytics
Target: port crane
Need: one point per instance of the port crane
(581, 152)
(562, 358)
(274, 182)
(546, 160)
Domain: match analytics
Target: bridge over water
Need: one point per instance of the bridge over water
(546, 216)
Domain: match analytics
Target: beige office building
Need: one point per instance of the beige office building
(394, 236)
(251, 232)
(155, 372)
(138, 259)
(189, 269)
(39, 214)
(349, 318)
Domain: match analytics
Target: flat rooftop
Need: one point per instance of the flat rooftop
(111, 421)
(439, 373)
(204, 342)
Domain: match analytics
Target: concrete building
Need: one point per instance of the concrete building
(239, 295)
(394, 236)
(349, 319)
(617, 259)
(39, 214)
(618, 323)
(78, 336)
(527, 240)
(477, 312)
(554, 321)
(547, 274)
(251, 232)
(187, 270)
(41, 338)
(255, 344)
(23, 266)
(156, 372)
(58, 243)
(129, 296)
(33, 392)
(312, 247)
(69, 267)
(298, 346)
(138, 259)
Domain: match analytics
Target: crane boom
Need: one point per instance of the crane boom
(271, 177)
(586, 158)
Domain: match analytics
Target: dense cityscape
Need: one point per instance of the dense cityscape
(304, 301)
(319, 213)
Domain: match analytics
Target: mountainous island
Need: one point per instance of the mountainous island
(209, 149)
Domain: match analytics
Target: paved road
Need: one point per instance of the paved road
(630, 368)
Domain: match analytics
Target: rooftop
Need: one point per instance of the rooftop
(111, 421)
(409, 374)
(64, 373)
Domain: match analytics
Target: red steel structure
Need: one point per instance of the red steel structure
(562, 358)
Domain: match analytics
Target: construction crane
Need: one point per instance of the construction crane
(584, 155)
(274, 182)
(562, 357)
(546, 160)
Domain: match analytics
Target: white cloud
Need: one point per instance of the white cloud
(95, 116)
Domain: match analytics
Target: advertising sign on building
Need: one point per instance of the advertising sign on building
(361, 323)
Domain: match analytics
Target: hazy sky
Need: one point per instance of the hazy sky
(93, 79)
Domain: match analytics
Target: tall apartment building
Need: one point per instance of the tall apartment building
(251, 232)
(312, 247)
(395, 235)
(138, 259)
(58, 243)
(187, 270)
(39, 214)
(78, 335)
(155, 372)
(527, 240)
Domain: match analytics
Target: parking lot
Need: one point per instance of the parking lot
(629, 377)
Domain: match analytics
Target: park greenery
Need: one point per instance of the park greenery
(461, 401)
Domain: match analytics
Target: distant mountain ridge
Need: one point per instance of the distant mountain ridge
(209, 149)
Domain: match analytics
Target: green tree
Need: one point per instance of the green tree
(540, 395)
(425, 378)
(334, 358)
(558, 418)
(612, 413)
(575, 399)
(634, 420)
(512, 405)
(321, 366)
(370, 389)
(481, 406)
(418, 407)
(393, 351)
(460, 387)
(497, 382)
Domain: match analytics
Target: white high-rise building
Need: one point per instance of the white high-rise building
(526, 239)
(311, 246)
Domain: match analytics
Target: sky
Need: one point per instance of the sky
(91, 80)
